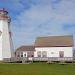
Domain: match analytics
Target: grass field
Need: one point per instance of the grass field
(37, 69)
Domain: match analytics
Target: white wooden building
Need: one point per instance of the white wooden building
(25, 51)
(54, 47)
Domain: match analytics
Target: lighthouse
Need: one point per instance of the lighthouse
(5, 36)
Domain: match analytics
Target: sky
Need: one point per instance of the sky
(34, 18)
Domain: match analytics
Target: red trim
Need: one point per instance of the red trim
(4, 17)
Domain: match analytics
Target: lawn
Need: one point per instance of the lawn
(37, 69)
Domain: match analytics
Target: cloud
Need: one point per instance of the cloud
(44, 18)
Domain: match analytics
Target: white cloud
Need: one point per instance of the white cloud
(46, 18)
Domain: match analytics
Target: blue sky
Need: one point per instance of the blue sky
(33, 18)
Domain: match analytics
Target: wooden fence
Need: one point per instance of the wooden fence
(24, 59)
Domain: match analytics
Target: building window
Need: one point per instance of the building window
(44, 54)
(32, 55)
(21, 54)
(18, 55)
(24, 55)
(39, 53)
(52, 52)
(61, 54)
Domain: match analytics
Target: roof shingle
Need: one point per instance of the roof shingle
(54, 41)
(26, 48)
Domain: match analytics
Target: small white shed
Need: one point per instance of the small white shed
(25, 51)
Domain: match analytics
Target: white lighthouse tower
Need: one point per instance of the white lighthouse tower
(5, 35)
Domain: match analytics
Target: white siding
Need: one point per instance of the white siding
(54, 51)
(5, 49)
(1, 40)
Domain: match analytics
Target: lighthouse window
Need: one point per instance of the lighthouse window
(0, 33)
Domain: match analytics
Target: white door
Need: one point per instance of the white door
(24, 54)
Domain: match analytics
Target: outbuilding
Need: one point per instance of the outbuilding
(25, 51)
(54, 48)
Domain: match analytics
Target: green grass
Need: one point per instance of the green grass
(37, 69)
